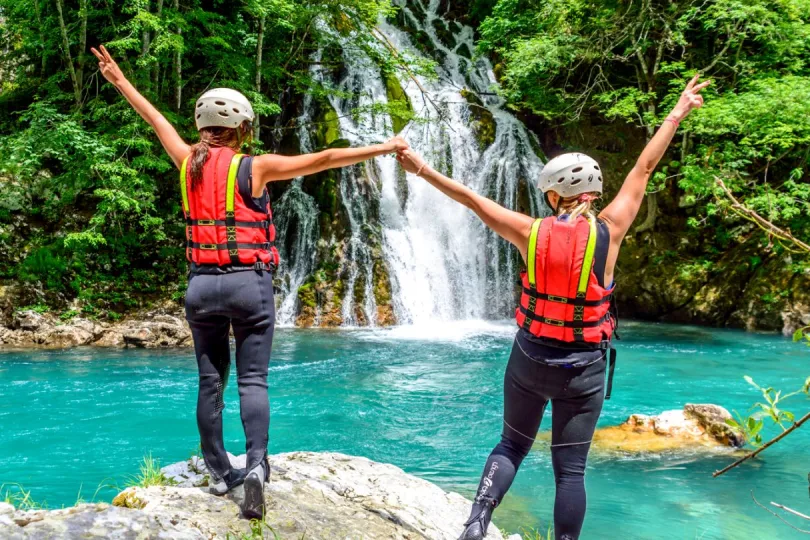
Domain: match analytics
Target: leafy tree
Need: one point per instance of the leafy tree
(621, 59)
(97, 194)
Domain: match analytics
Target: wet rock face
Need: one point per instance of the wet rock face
(696, 426)
(311, 495)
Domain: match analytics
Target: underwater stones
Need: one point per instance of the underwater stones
(481, 120)
(696, 426)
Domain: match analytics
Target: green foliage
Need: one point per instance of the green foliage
(150, 475)
(537, 534)
(259, 529)
(803, 335)
(770, 408)
(18, 497)
(627, 62)
(78, 162)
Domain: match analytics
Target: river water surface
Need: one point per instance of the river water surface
(427, 399)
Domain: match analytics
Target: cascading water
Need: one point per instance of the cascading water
(443, 263)
(296, 220)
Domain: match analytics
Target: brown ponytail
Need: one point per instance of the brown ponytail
(214, 137)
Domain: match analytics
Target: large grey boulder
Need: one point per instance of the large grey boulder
(310, 495)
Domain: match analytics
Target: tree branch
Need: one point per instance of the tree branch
(773, 441)
(792, 511)
(745, 212)
(77, 91)
(777, 515)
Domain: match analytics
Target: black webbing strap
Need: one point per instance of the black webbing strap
(227, 245)
(611, 367)
(531, 293)
(566, 324)
(223, 223)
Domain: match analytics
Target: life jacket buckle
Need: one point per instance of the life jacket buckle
(554, 322)
(210, 247)
(206, 222)
(558, 299)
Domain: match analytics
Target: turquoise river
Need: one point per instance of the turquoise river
(76, 424)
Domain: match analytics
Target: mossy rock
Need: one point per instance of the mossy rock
(401, 109)
(128, 499)
(481, 120)
(307, 295)
(464, 51)
(444, 34)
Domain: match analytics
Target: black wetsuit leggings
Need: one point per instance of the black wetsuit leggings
(214, 303)
(576, 395)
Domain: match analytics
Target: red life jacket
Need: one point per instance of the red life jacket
(562, 298)
(221, 229)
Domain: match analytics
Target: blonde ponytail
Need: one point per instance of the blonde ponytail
(577, 206)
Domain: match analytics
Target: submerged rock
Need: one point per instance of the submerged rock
(310, 495)
(696, 426)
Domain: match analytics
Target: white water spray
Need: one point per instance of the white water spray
(444, 264)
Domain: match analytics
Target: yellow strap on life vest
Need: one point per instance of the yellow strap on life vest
(587, 263)
(231, 186)
(532, 255)
(184, 186)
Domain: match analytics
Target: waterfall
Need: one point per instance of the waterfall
(443, 263)
(296, 219)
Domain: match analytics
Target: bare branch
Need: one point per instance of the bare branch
(773, 441)
(745, 212)
(777, 515)
(794, 512)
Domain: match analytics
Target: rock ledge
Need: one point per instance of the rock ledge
(311, 495)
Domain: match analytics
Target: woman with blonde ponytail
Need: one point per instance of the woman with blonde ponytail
(562, 352)
(231, 253)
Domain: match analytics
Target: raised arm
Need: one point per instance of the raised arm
(511, 226)
(622, 210)
(171, 141)
(272, 167)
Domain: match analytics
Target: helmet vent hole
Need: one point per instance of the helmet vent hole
(596, 167)
(236, 111)
(200, 104)
(198, 116)
(577, 181)
(220, 103)
(576, 170)
(600, 178)
(561, 180)
(223, 114)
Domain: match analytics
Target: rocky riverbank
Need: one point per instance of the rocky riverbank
(310, 495)
(152, 329)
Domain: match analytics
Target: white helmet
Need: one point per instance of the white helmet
(569, 175)
(222, 107)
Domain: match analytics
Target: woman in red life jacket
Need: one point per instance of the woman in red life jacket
(229, 245)
(560, 351)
